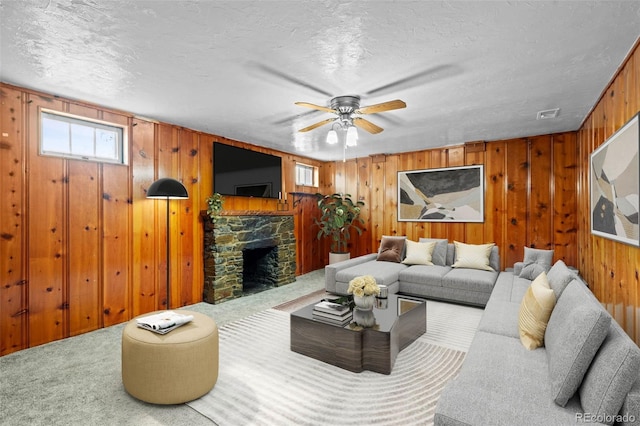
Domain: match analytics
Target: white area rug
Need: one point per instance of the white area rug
(262, 382)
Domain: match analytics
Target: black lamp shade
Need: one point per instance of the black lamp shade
(167, 188)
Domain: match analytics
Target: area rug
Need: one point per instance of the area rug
(303, 301)
(262, 382)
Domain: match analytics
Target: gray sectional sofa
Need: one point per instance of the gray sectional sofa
(502, 383)
(438, 281)
(587, 372)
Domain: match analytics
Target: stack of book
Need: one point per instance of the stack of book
(332, 313)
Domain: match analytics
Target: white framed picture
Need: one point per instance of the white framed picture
(452, 194)
(615, 185)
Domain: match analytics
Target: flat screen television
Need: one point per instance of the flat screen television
(242, 172)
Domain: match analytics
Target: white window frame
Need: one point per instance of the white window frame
(306, 175)
(121, 143)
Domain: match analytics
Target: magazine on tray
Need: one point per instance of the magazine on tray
(163, 322)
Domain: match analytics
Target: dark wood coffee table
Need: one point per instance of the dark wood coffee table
(357, 349)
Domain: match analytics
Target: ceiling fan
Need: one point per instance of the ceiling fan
(347, 109)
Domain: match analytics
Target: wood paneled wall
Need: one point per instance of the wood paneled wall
(611, 268)
(537, 195)
(530, 195)
(81, 247)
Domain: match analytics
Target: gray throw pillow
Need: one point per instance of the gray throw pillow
(535, 262)
(611, 375)
(574, 334)
(439, 254)
(559, 277)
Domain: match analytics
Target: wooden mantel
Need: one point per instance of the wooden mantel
(250, 213)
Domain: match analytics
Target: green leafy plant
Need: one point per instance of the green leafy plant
(214, 206)
(339, 215)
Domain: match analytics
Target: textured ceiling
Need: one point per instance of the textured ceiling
(467, 70)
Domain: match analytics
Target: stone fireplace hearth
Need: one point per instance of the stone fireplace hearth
(247, 251)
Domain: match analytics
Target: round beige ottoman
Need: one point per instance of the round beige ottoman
(173, 368)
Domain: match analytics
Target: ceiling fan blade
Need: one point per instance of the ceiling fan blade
(385, 106)
(314, 106)
(286, 77)
(289, 118)
(314, 126)
(367, 125)
(416, 79)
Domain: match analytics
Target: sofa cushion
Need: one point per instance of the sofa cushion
(501, 383)
(574, 333)
(559, 277)
(494, 258)
(535, 310)
(385, 273)
(391, 249)
(611, 375)
(473, 256)
(510, 288)
(631, 403)
(470, 279)
(519, 288)
(517, 268)
(535, 262)
(422, 274)
(419, 253)
(500, 317)
(503, 287)
(439, 254)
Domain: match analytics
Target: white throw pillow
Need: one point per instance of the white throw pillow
(474, 256)
(535, 311)
(419, 253)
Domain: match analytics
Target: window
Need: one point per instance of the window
(306, 175)
(65, 135)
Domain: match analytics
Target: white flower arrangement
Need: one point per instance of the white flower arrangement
(363, 286)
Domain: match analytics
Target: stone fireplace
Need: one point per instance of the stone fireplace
(246, 252)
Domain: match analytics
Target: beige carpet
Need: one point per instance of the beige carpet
(262, 382)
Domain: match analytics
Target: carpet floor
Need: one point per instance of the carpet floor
(262, 382)
(77, 381)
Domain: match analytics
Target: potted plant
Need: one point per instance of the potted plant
(214, 206)
(339, 215)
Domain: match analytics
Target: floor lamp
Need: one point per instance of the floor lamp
(167, 189)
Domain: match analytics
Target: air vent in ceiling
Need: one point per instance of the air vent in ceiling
(548, 113)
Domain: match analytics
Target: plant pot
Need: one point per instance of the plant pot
(338, 257)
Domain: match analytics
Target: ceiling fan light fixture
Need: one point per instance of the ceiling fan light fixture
(352, 136)
(332, 137)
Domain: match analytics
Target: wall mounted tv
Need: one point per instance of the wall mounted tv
(242, 172)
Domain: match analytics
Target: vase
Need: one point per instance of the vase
(364, 317)
(364, 303)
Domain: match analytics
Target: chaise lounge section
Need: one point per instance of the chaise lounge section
(586, 372)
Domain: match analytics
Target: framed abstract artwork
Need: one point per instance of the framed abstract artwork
(453, 194)
(615, 185)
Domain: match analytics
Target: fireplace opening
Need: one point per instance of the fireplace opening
(259, 270)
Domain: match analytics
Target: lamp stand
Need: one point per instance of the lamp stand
(167, 189)
(168, 239)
